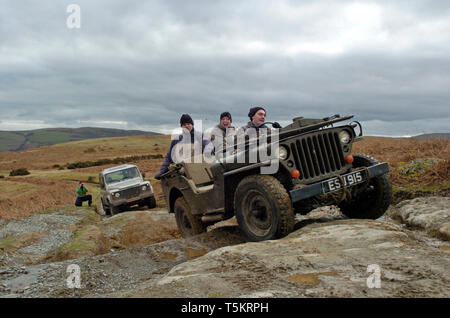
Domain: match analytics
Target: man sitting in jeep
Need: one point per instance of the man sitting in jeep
(222, 135)
(257, 117)
(189, 136)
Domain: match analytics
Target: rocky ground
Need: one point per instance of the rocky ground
(140, 254)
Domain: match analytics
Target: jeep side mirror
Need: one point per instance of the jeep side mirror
(143, 174)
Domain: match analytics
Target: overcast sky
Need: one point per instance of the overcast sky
(141, 64)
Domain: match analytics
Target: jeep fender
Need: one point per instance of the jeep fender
(173, 196)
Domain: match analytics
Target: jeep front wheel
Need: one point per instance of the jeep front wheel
(188, 224)
(263, 208)
(375, 198)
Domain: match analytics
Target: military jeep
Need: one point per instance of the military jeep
(315, 168)
(122, 187)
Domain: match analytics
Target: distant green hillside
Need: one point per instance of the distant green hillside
(27, 139)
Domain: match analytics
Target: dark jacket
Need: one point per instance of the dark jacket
(250, 124)
(194, 136)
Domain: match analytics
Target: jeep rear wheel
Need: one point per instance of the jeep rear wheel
(374, 200)
(188, 224)
(263, 208)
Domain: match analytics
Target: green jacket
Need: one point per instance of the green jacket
(82, 191)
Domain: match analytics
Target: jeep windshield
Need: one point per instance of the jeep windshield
(121, 175)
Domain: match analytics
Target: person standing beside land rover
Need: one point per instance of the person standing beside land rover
(82, 195)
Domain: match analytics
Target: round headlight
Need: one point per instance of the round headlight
(117, 194)
(283, 153)
(344, 137)
(144, 188)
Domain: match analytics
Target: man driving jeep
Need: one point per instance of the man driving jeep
(253, 129)
(257, 117)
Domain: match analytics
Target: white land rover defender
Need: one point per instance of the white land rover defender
(122, 187)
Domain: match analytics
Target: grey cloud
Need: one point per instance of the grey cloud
(145, 63)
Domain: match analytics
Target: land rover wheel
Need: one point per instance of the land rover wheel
(104, 210)
(373, 201)
(150, 202)
(188, 224)
(263, 208)
(114, 210)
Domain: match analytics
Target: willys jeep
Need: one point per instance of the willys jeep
(122, 187)
(315, 168)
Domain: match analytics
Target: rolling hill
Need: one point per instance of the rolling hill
(28, 139)
(430, 136)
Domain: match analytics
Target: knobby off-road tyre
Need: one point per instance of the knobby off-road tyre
(114, 210)
(188, 224)
(151, 202)
(375, 200)
(263, 208)
(104, 210)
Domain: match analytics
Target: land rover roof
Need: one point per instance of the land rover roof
(126, 166)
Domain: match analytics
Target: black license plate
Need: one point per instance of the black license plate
(349, 179)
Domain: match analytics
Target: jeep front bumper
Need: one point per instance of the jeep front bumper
(339, 182)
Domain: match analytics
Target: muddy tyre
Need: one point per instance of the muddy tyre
(373, 202)
(151, 202)
(263, 208)
(104, 210)
(188, 224)
(114, 210)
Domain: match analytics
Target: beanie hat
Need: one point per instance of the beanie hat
(186, 119)
(253, 111)
(226, 114)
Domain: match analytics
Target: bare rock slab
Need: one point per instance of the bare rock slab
(431, 214)
(344, 258)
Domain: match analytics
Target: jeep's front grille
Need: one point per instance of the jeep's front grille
(318, 154)
(130, 193)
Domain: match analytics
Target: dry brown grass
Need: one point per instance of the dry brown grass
(46, 194)
(398, 151)
(84, 150)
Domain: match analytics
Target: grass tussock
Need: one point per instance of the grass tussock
(19, 172)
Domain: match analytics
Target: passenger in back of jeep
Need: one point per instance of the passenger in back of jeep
(187, 125)
(222, 136)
